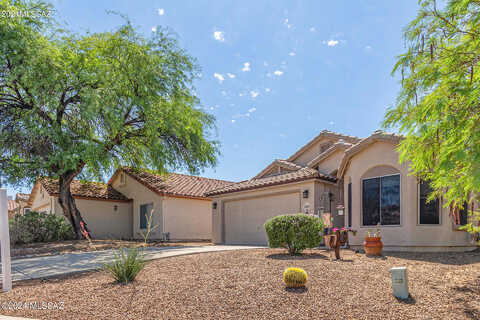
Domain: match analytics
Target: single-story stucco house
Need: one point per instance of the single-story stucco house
(120, 208)
(359, 181)
(178, 200)
(107, 212)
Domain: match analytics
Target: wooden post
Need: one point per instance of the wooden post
(5, 243)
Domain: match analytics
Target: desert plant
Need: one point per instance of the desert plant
(150, 228)
(294, 232)
(39, 227)
(295, 277)
(126, 265)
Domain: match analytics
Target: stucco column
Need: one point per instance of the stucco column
(217, 222)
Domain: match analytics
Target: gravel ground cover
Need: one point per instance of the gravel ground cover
(247, 284)
(51, 248)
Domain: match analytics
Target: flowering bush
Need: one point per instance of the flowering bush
(295, 232)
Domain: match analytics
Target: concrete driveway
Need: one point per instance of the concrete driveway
(50, 266)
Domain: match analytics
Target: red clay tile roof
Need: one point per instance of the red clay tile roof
(176, 184)
(94, 190)
(282, 164)
(299, 175)
(12, 205)
(22, 197)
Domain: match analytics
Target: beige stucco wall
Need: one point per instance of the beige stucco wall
(103, 221)
(42, 201)
(140, 195)
(409, 235)
(184, 218)
(187, 219)
(331, 163)
(261, 204)
(312, 152)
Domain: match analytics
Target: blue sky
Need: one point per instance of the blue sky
(274, 73)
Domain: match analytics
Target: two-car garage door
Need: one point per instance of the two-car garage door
(244, 218)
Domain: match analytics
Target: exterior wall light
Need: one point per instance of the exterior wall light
(214, 205)
(305, 194)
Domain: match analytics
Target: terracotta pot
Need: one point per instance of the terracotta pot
(373, 246)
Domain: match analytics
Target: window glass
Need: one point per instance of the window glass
(381, 201)
(390, 200)
(145, 210)
(464, 214)
(371, 201)
(429, 211)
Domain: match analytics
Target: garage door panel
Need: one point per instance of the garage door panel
(244, 219)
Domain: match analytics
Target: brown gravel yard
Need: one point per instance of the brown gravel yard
(247, 284)
(50, 248)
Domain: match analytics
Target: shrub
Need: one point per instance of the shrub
(39, 227)
(294, 232)
(295, 277)
(125, 267)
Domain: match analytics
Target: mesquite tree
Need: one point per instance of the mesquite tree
(80, 105)
(438, 108)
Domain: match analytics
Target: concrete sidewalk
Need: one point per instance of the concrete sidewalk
(50, 266)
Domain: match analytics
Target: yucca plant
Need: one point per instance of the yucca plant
(126, 265)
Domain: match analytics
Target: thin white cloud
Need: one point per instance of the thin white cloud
(312, 29)
(331, 123)
(267, 90)
(233, 120)
(252, 110)
(246, 67)
(241, 94)
(161, 11)
(230, 75)
(219, 76)
(278, 72)
(292, 54)
(368, 48)
(219, 36)
(332, 43)
(285, 22)
(269, 74)
(154, 29)
(254, 94)
(282, 135)
(224, 93)
(265, 63)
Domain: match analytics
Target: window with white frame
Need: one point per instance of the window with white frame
(429, 211)
(381, 200)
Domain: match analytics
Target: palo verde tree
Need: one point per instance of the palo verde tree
(80, 105)
(438, 108)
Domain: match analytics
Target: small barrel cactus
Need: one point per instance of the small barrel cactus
(294, 277)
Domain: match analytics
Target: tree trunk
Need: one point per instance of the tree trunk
(70, 210)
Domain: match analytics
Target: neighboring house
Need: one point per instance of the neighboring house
(340, 174)
(107, 212)
(178, 201)
(22, 200)
(13, 207)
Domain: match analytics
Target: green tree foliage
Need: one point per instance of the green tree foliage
(295, 232)
(438, 106)
(80, 105)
